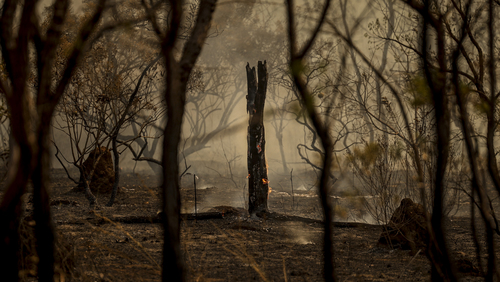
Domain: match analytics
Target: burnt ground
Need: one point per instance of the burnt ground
(124, 242)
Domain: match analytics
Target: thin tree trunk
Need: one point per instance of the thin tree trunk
(41, 203)
(10, 210)
(30, 124)
(383, 64)
(178, 73)
(279, 136)
(118, 126)
(116, 161)
(442, 267)
(492, 160)
(173, 262)
(296, 67)
(173, 266)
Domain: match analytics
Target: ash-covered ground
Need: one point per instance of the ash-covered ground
(124, 242)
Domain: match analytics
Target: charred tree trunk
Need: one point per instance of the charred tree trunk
(258, 187)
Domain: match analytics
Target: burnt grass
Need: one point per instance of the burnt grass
(124, 242)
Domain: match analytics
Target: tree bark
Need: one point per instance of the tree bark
(41, 203)
(10, 209)
(30, 122)
(296, 67)
(258, 183)
(439, 255)
(178, 73)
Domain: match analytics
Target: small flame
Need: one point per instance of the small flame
(265, 181)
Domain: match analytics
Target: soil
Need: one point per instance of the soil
(124, 242)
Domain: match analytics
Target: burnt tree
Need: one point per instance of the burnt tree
(258, 183)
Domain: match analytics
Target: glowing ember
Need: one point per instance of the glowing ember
(265, 181)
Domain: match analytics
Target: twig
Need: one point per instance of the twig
(229, 164)
(182, 174)
(62, 164)
(195, 205)
(293, 195)
(284, 269)
(413, 258)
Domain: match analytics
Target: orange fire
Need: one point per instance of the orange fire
(265, 181)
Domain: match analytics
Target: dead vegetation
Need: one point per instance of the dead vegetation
(106, 245)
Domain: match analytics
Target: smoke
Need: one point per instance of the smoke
(214, 141)
(301, 234)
